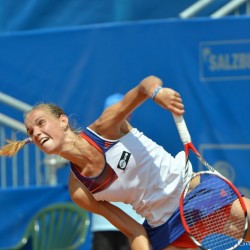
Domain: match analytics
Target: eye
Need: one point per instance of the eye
(30, 132)
(41, 122)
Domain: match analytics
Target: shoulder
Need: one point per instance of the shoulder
(109, 128)
(81, 195)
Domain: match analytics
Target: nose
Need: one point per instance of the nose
(36, 132)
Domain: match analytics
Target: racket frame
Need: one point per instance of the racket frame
(188, 146)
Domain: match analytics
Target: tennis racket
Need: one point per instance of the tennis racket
(212, 210)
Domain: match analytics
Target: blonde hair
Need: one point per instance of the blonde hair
(13, 147)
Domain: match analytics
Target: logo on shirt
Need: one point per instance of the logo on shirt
(123, 160)
(107, 144)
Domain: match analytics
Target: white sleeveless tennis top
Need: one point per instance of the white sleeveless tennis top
(147, 177)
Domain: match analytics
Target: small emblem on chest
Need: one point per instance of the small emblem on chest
(124, 160)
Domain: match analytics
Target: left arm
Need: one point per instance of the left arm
(135, 232)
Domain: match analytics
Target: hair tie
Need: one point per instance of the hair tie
(27, 140)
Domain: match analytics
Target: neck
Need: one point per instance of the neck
(74, 150)
(69, 147)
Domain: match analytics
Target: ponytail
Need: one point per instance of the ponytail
(13, 147)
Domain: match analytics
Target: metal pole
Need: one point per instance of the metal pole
(228, 8)
(14, 124)
(194, 8)
(14, 102)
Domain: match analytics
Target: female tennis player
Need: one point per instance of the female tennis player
(111, 161)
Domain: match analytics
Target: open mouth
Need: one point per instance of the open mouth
(43, 140)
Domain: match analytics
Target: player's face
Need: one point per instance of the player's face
(46, 131)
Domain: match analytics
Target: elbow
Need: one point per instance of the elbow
(152, 80)
(149, 84)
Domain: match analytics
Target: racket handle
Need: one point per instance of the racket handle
(182, 129)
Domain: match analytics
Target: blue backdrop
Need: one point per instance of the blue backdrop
(207, 61)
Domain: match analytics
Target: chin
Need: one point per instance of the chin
(48, 151)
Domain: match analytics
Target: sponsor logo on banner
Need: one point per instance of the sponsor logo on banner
(224, 60)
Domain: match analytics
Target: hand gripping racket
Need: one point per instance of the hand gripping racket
(212, 210)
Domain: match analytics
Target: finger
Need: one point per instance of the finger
(178, 111)
(177, 94)
(179, 105)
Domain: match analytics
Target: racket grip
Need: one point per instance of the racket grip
(182, 129)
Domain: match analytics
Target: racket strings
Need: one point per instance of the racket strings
(213, 214)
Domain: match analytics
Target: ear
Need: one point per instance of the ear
(64, 121)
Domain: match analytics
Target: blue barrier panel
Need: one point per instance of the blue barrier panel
(19, 205)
